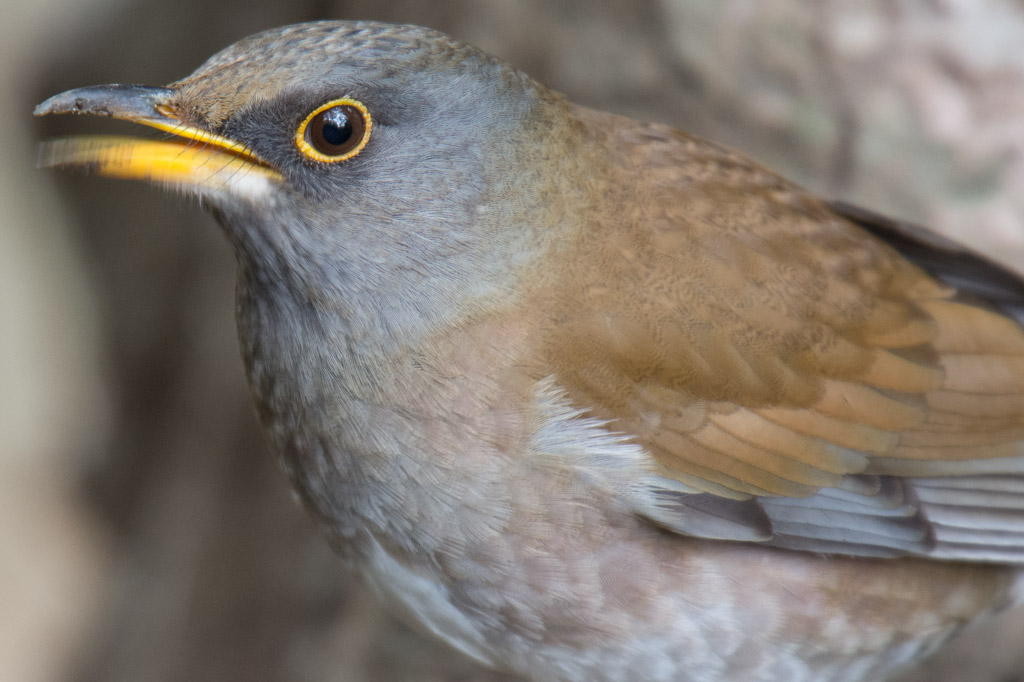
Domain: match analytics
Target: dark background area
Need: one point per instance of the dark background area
(145, 534)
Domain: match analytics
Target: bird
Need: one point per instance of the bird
(589, 398)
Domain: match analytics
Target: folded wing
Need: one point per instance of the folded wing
(810, 376)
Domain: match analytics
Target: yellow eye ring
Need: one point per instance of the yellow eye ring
(335, 131)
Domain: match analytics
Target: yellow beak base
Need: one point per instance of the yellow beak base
(193, 159)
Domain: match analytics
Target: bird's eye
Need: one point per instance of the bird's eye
(335, 131)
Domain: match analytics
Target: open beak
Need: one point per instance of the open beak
(193, 159)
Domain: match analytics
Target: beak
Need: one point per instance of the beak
(193, 158)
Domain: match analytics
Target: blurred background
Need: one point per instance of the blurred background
(145, 534)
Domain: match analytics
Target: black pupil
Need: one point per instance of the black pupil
(336, 130)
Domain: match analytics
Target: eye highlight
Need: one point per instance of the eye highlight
(335, 131)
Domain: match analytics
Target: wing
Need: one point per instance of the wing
(811, 376)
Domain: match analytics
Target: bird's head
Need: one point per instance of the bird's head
(346, 160)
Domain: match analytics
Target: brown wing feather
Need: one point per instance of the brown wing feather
(758, 343)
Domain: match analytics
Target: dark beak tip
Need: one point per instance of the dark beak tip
(46, 107)
(115, 100)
